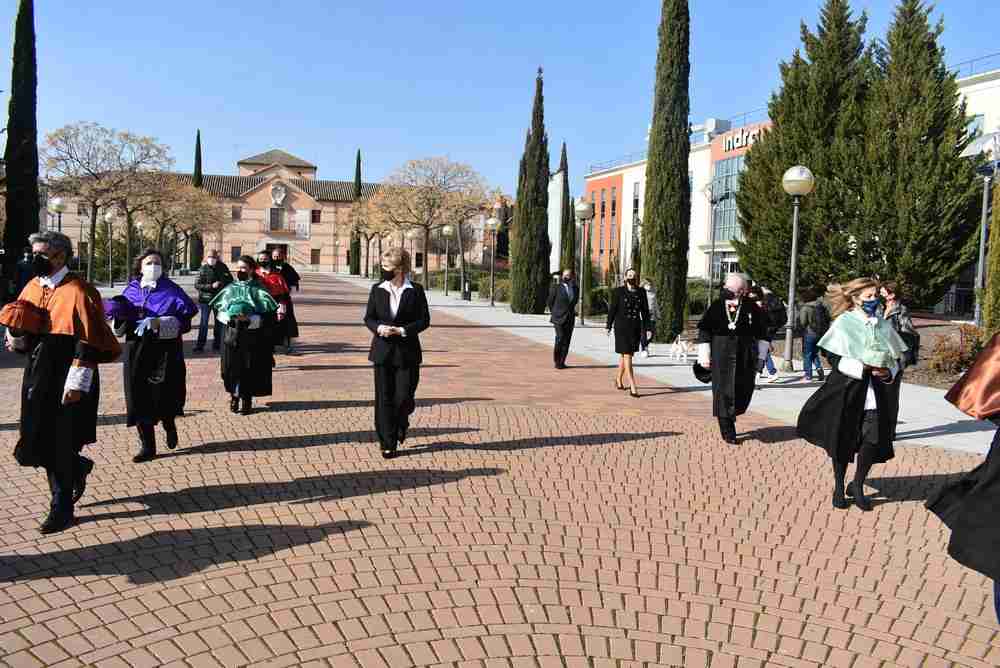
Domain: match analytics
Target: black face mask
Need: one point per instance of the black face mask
(264, 264)
(567, 279)
(276, 264)
(632, 281)
(242, 275)
(41, 264)
(388, 275)
(727, 294)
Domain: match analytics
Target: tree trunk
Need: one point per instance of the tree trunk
(128, 243)
(461, 257)
(427, 245)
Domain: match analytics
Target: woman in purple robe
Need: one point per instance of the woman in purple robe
(152, 314)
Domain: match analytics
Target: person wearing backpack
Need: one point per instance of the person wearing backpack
(813, 321)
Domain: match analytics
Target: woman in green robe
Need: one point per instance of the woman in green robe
(248, 313)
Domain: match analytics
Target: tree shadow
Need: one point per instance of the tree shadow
(960, 427)
(167, 555)
(344, 367)
(533, 442)
(299, 442)
(314, 489)
(332, 348)
(323, 404)
(108, 420)
(909, 488)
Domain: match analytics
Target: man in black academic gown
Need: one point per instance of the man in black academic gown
(563, 297)
(732, 341)
(287, 271)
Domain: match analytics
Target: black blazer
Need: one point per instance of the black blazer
(561, 306)
(413, 316)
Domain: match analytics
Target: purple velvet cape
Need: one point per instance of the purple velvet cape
(167, 298)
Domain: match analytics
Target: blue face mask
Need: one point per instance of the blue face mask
(870, 307)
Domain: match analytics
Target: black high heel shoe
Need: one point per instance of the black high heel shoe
(840, 502)
(860, 500)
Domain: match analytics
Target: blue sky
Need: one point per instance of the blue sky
(400, 80)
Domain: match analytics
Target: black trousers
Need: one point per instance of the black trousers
(395, 389)
(727, 427)
(62, 475)
(564, 334)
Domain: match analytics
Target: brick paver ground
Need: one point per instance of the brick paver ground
(537, 519)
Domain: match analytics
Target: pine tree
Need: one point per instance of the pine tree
(921, 199)
(21, 152)
(818, 122)
(567, 255)
(991, 296)
(197, 244)
(530, 245)
(356, 237)
(668, 199)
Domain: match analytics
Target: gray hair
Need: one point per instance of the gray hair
(57, 241)
(734, 281)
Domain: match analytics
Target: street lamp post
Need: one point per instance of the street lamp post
(447, 232)
(797, 181)
(584, 212)
(109, 218)
(493, 224)
(57, 205)
(412, 235)
(713, 203)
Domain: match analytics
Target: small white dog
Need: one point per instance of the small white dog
(680, 350)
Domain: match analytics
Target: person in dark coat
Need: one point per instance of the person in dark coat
(281, 264)
(628, 315)
(563, 298)
(153, 313)
(248, 312)
(396, 314)
(24, 271)
(854, 412)
(733, 343)
(970, 505)
(286, 328)
(212, 277)
(58, 324)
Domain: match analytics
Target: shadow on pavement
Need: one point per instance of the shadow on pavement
(909, 488)
(533, 442)
(344, 367)
(771, 435)
(960, 427)
(104, 420)
(323, 404)
(167, 555)
(315, 489)
(307, 441)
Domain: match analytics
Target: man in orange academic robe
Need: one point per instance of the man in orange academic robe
(58, 324)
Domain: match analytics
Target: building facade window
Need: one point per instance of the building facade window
(604, 196)
(418, 260)
(316, 216)
(635, 200)
(237, 213)
(276, 219)
(314, 254)
(235, 252)
(725, 183)
(614, 213)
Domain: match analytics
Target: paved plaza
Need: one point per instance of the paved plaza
(535, 519)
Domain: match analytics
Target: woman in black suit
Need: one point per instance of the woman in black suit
(396, 315)
(628, 313)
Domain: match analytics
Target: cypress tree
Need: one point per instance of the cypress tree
(668, 200)
(567, 255)
(356, 241)
(197, 241)
(818, 122)
(530, 245)
(991, 296)
(921, 199)
(21, 151)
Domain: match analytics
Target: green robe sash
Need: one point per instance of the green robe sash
(244, 298)
(871, 340)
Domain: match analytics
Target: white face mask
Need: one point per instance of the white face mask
(151, 272)
(211, 261)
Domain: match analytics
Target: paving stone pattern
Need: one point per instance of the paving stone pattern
(537, 519)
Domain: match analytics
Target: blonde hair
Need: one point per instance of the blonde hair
(398, 258)
(840, 297)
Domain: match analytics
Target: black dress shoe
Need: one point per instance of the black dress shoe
(56, 522)
(234, 404)
(860, 500)
(731, 440)
(172, 439)
(144, 456)
(80, 483)
(247, 406)
(388, 454)
(840, 502)
(198, 349)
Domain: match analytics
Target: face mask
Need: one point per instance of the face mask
(242, 275)
(567, 279)
(870, 307)
(631, 281)
(211, 261)
(728, 294)
(151, 272)
(275, 263)
(41, 264)
(388, 275)
(264, 264)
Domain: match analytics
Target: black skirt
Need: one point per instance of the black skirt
(246, 360)
(628, 326)
(155, 378)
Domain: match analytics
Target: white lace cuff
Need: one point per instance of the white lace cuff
(79, 378)
(851, 367)
(19, 343)
(170, 327)
(704, 354)
(254, 322)
(763, 347)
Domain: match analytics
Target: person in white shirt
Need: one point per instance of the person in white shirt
(396, 314)
(855, 411)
